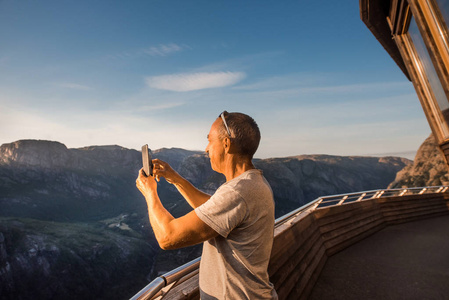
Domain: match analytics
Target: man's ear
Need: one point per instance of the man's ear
(228, 145)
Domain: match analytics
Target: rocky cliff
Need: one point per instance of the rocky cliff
(428, 168)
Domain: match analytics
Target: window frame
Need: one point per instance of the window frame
(431, 30)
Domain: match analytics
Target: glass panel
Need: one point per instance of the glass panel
(440, 13)
(431, 74)
(443, 6)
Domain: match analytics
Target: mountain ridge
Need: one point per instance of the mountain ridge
(102, 173)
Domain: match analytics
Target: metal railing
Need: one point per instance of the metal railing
(178, 275)
(162, 284)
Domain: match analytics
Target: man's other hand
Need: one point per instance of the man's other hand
(145, 184)
(163, 169)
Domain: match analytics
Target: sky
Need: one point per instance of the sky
(130, 73)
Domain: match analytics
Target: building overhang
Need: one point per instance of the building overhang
(374, 14)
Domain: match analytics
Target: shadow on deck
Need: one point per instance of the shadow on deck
(405, 261)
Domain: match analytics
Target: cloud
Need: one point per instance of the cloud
(194, 81)
(163, 50)
(154, 51)
(75, 86)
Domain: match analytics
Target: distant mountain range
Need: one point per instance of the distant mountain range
(73, 225)
(47, 181)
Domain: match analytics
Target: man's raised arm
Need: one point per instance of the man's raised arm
(171, 233)
(193, 196)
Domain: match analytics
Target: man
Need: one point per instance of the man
(236, 223)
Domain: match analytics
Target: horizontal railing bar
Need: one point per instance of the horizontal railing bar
(173, 275)
(384, 190)
(155, 287)
(287, 216)
(345, 198)
(150, 290)
(168, 278)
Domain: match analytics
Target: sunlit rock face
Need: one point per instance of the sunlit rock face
(428, 168)
(35, 153)
(54, 155)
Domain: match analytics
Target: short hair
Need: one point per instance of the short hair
(245, 133)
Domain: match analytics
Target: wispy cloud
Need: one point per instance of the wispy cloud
(194, 81)
(154, 51)
(163, 50)
(75, 86)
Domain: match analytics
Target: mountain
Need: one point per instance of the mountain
(428, 168)
(73, 224)
(47, 181)
(300, 179)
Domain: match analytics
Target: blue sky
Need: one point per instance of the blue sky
(159, 72)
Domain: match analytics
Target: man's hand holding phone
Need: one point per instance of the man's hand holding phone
(163, 169)
(152, 170)
(145, 181)
(146, 184)
(147, 161)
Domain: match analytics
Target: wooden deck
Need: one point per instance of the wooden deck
(405, 261)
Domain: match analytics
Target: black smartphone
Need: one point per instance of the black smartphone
(146, 161)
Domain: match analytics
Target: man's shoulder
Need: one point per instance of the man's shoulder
(250, 184)
(247, 187)
(249, 177)
(252, 178)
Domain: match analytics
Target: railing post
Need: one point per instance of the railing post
(361, 197)
(380, 194)
(342, 200)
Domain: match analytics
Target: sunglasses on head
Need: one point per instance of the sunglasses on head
(224, 122)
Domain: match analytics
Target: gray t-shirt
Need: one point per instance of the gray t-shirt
(234, 264)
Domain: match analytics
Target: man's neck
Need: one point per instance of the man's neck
(235, 167)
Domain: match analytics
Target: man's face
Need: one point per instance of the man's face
(215, 148)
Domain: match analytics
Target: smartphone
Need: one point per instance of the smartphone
(146, 161)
